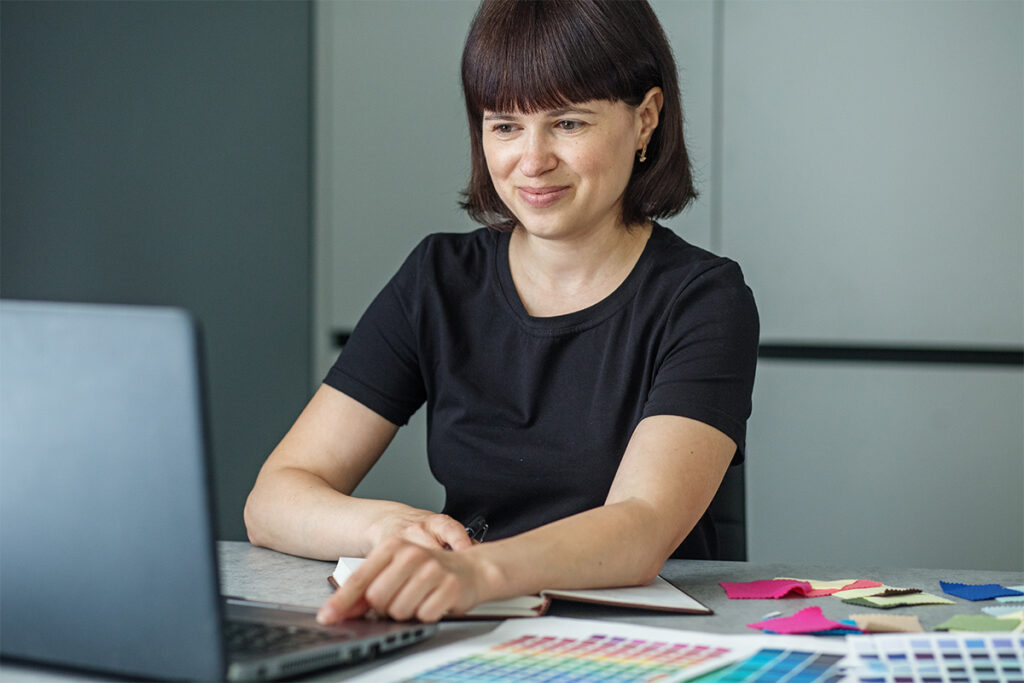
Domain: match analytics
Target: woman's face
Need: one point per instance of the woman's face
(563, 172)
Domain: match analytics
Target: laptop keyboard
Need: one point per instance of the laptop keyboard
(246, 637)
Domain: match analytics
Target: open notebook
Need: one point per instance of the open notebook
(659, 595)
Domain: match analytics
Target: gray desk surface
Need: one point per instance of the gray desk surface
(265, 575)
(261, 574)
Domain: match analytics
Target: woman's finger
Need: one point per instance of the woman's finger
(421, 583)
(437, 531)
(421, 535)
(449, 532)
(439, 602)
(350, 598)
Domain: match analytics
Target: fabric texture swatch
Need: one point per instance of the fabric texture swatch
(806, 621)
(975, 592)
(1005, 611)
(1013, 598)
(977, 622)
(876, 591)
(765, 589)
(907, 600)
(822, 588)
(887, 623)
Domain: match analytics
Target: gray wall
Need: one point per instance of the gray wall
(158, 153)
(863, 161)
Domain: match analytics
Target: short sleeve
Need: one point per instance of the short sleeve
(380, 364)
(708, 355)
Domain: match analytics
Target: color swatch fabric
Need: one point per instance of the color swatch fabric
(977, 623)
(765, 589)
(823, 588)
(806, 621)
(887, 623)
(975, 592)
(907, 600)
(881, 590)
(1013, 598)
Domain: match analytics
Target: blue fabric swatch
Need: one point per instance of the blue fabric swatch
(987, 591)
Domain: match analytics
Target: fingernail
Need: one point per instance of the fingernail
(327, 615)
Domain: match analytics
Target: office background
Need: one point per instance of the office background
(269, 164)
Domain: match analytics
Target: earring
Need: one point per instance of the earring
(643, 154)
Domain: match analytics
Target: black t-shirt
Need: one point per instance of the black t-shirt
(529, 417)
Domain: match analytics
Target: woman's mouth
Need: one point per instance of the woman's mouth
(542, 197)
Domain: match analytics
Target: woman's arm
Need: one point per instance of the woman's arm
(302, 504)
(668, 476)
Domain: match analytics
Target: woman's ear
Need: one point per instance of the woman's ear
(649, 113)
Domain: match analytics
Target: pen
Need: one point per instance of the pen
(476, 528)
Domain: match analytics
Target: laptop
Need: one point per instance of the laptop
(107, 550)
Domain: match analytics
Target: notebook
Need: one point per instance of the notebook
(103, 467)
(659, 595)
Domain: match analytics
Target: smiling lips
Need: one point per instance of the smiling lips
(541, 197)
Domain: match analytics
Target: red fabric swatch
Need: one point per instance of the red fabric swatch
(808, 620)
(766, 589)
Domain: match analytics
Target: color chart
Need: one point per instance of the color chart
(774, 665)
(595, 658)
(558, 649)
(930, 658)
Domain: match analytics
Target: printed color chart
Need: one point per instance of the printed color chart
(781, 666)
(596, 658)
(558, 649)
(938, 659)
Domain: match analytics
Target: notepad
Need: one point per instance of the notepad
(660, 595)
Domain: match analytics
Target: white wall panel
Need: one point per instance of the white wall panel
(873, 170)
(391, 142)
(690, 30)
(889, 465)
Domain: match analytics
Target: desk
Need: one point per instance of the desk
(263, 574)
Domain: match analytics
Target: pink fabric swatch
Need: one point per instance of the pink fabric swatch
(808, 620)
(859, 583)
(769, 588)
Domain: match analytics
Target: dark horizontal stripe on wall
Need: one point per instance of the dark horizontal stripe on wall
(894, 354)
(868, 353)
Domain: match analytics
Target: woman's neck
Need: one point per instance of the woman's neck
(560, 276)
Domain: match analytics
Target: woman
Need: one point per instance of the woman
(587, 373)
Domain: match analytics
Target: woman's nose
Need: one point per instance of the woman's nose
(538, 156)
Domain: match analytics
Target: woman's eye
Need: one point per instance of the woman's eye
(568, 125)
(504, 128)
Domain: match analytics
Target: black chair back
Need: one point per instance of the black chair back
(729, 510)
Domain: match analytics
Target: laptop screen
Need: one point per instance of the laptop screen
(107, 559)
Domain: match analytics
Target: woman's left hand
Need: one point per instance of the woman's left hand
(404, 580)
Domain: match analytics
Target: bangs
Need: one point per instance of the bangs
(535, 56)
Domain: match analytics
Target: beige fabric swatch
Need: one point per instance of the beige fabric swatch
(887, 623)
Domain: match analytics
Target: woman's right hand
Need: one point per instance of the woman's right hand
(422, 527)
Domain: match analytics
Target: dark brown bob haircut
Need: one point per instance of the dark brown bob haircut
(535, 55)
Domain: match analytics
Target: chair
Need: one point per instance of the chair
(729, 510)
